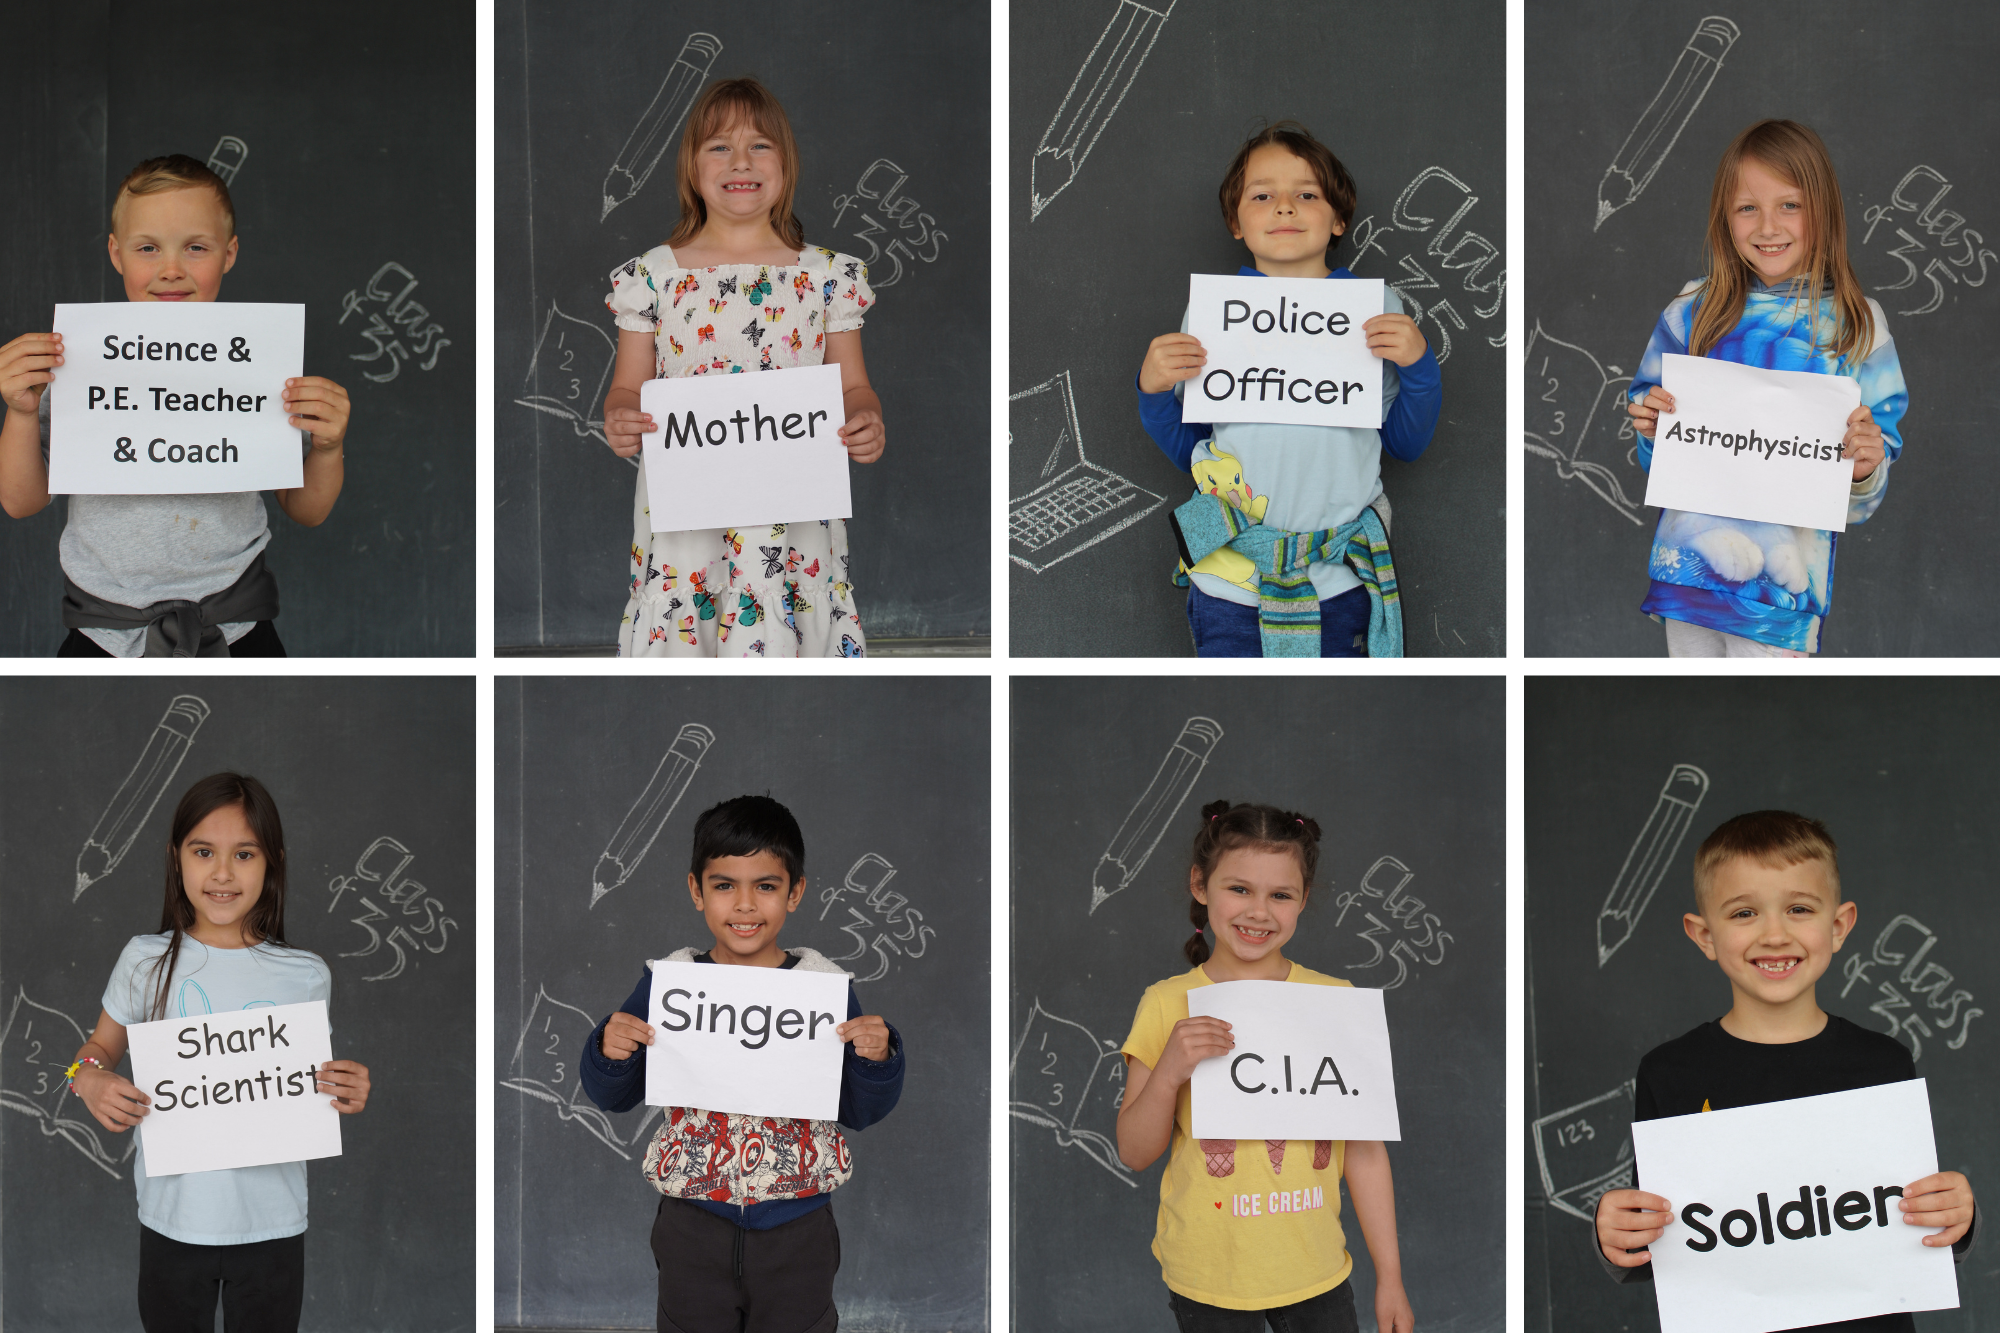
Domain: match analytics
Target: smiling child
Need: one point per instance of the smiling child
(1769, 912)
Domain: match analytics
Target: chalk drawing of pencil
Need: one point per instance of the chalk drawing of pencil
(140, 792)
(656, 129)
(648, 815)
(1652, 851)
(1147, 823)
(1647, 146)
(228, 157)
(1093, 99)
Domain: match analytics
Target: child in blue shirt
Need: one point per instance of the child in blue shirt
(1288, 199)
(744, 1236)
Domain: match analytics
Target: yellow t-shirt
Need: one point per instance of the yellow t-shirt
(1244, 1224)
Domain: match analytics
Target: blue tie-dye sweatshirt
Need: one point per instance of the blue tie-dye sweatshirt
(1766, 581)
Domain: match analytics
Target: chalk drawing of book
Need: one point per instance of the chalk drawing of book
(566, 376)
(1062, 502)
(113, 834)
(1660, 124)
(1063, 1078)
(660, 126)
(1093, 98)
(36, 1043)
(1576, 417)
(544, 1067)
(1648, 858)
(1586, 1150)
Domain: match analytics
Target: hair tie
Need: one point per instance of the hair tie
(1211, 819)
(1300, 822)
(1196, 935)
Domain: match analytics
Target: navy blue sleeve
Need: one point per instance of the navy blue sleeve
(617, 1085)
(869, 1089)
(1160, 414)
(1413, 417)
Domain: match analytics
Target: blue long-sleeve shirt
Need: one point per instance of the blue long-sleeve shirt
(1298, 478)
(869, 1090)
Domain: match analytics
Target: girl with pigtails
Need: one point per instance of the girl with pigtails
(1251, 871)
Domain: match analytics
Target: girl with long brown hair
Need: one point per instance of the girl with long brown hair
(1779, 294)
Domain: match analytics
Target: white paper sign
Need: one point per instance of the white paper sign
(747, 1040)
(738, 451)
(175, 398)
(234, 1089)
(1310, 1062)
(1755, 444)
(1284, 349)
(1786, 1214)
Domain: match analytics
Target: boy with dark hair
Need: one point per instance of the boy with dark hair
(1769, 911)
(744, 1238)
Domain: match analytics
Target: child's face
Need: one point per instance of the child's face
(1773, 929)
(745, 900)
(1767, 220)
(738, 172)
(222, 872)
(1254, 896)
(172, 246)
(1284, 215)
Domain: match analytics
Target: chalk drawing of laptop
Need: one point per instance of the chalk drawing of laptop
(1061, 502)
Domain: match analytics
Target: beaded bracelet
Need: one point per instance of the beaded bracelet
(69, 1075)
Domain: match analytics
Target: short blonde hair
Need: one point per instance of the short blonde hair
(1770, 837)
(176, 171)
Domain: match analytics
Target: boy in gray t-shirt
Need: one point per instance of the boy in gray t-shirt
(166, 575)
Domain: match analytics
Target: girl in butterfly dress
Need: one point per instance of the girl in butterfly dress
(736, 289)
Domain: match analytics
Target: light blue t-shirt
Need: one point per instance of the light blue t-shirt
(245, 1203)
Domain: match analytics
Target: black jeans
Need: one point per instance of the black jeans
(1328, 1312)
(716, 1277)
(263, 1285)
(261, 641)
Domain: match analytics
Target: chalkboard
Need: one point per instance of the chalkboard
(599, 783)
(889, 105)
(352, 176)
(1125, 118)
(374, 780)
(1108, 783)
(1915, 167)
(1624, 778)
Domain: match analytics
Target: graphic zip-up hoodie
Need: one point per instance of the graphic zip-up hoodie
(757, 1171)
(1766, 581)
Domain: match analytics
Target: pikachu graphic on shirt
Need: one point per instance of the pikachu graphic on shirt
(1222, 475)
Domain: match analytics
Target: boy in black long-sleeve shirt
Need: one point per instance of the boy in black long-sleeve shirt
(744, 1238)
(1769, 911)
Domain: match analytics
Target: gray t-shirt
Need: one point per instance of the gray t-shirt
(139, 549)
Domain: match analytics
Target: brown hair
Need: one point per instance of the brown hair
(721, 105)
(267, 915)
(1297, 140)
(1775, 838)
(176, 171)
(1225, 828)
(1796, 155)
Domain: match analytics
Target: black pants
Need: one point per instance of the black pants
(715, 1277)
(261, 641)
(1328, 1312)
(263, 1285)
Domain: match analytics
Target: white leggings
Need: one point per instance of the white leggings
(1685, 640)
